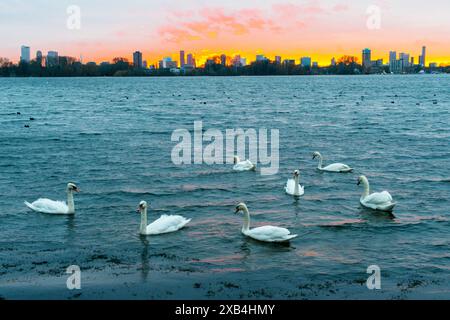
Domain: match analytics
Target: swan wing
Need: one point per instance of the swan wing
(337, 167)
(48, 206)
(270, 234)
(379, 198)
(167, 224)
(244, 166)
(290, 188)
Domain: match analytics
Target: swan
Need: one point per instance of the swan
(293, 186)
(165, 224)
(381, 201)
(266, 233)
(335, 167)
(246, 165)
(56, 207)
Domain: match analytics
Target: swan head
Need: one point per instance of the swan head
(236, 160)
(316, 155)
(71, 187)
(142, 206)
(362, 179)
(241, 207)
(296, 173)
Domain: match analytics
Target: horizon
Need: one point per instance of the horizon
(290, 29)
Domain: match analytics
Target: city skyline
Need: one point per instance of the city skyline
(318, 29)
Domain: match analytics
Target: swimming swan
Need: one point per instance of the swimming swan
(246, 165)
(266, 233)
(56, 207)
(165, 224)
(293, 186)
(381, 201)
(335, 167)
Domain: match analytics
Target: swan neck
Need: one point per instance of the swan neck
(70, 202)
(366, 188)
(297, 187)
(246, 226)
(320, 161)
(143, 228)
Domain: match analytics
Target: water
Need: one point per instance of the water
(112, 137)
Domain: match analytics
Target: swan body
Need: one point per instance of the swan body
(56, 207)
(246, 165)
(335, 167)
(293, 186)
(381, 201)
(165, 224)
(266, 233)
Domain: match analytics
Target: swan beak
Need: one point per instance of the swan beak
(359, 182)
(77, 190)
(237, 211)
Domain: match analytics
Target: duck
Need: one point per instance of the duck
(381, 201)
(266, 233)
(335, 167)
(165, 224)
(246, 165)
(56, 207)
(293, 186)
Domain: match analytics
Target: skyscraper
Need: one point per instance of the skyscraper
(137, 59)
(278, 59)
(404, 57)
(366, 58)
(52, 58)
(191, 60)
(333, 61)
(223, 60)
(25, 54)
(423, 57)
(182, 59)
(305, 62)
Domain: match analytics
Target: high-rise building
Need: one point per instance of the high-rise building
(260, 58)
(25, 54)
(137, 59)
(52, 58)
(423, 57)
(278, 59)
(412, 61)
(305, 62)
(404, 57)
(191, 60)
(182, 59)
(223, 60)
(145, 64)
(392, 57)
(366, 58)
(333, 61)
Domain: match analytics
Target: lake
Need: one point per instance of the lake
(112, 137)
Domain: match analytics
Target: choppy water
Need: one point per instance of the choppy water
(112, 137)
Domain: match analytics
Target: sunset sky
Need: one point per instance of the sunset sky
(320, 29)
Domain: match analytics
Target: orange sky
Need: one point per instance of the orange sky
(321, 29)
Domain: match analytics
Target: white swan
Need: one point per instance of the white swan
(293, 186)
(266, 233)
(56, 207)
(165, 224)
(335, 167)
(246, 165)
(381, 201)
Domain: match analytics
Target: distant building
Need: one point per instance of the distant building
(315, 64)
(289, 63)
(52, 58)
(366, 58)
(423, 57)
(405, 59)
(237, 61)
(39, 58)
(278, 59)
(260, 58)
(333, 61)
(392, 59)
(168, 63)
(243, 62)
(412, 61)
(137, 59)
(182, 59)
(145, 64)
(25, 54)
(433, 65)
(223, 60)
(305, 62)
(191, 60)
